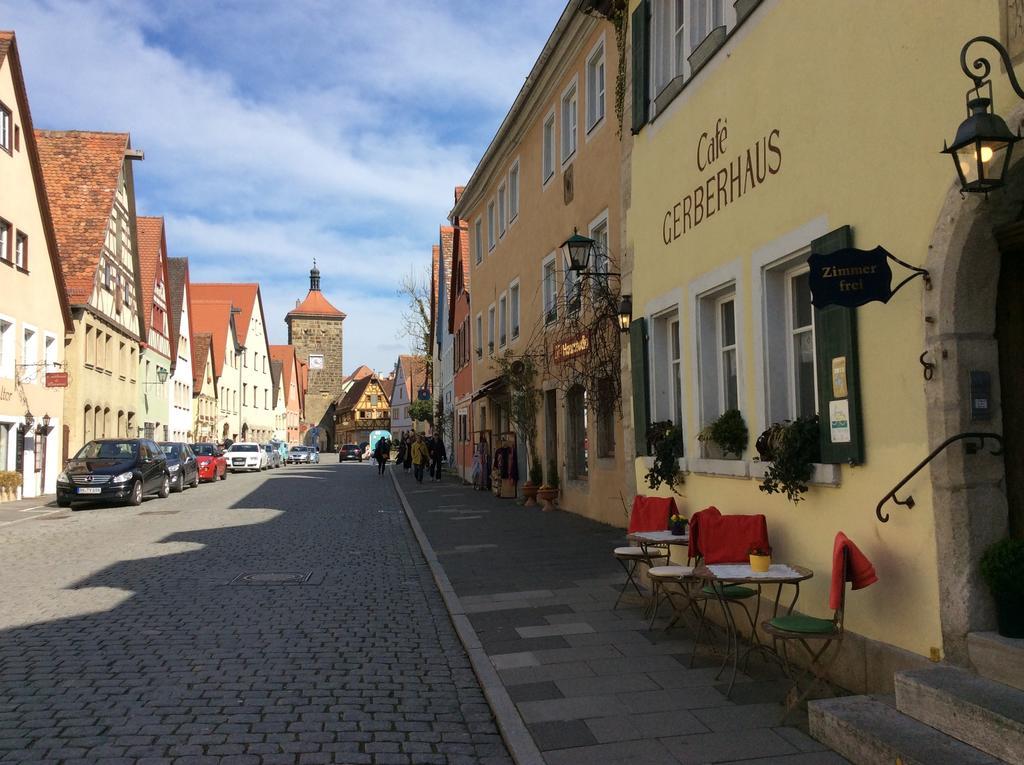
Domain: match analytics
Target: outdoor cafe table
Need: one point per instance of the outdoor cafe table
(722, 575)
(647, 539)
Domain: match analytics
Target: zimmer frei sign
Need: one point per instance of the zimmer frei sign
(725, 179)
(852, 277)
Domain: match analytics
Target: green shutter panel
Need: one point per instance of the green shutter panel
(835, 341)
(641, 390)
(641, 38)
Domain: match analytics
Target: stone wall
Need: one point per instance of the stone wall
(323, 335)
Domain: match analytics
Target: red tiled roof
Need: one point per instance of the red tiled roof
(387, 384)
(81, 170)
(201, 343)
(241, 296)
(152, 267)
(361, 372)
(315, 304)
(212, 317)
(5, 43)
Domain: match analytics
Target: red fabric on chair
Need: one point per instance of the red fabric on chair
(697, 527)
(651, 513)
(729, 538)
(859, 570)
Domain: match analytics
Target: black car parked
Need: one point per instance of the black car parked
(114, 469)
(182, 465)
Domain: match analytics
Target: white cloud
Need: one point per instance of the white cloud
(278, 132)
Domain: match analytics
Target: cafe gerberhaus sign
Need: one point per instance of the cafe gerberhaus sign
(725, 181)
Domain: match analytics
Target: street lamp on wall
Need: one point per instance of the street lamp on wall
(983, 144)
(625, 313)
(577, 249)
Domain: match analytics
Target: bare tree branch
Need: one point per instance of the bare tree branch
(415, 319)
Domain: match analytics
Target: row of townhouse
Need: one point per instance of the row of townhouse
(699, 160)
(102, 334)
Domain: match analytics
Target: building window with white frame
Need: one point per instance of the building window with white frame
(50, 352)
(569, 123)
(728, 393)
(800, 314)
(478, 239)
(595, 87)
(491, 230)
(790, 364)
(6, 348)
(668, 55)
(28, 356)
(490, 329)
(572, 289)
(21, 250)
(513, 192)
(5, 241)
(550, 289)
(705, 15)
(667, 368)
(5, 137)
(576, 437)
(599, 233)
(479, 335)
(501, 210)
(502, 320)
(718, 353)
(513, 302)
(548, 152)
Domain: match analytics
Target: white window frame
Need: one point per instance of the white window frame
(597, 86)
(8, 346)
(490, 330)
(572, 285)
(502, 210)
(29, 354)
(52, 359)
(479, 334)
(6, 232)
(6, 132)
(514, 316)
(664, 404)
(492, 238)
(513, 192)
(714, 12)
(503, 320)
(602, 261)
(20, 250)
(791, 335)
(549, 146)
(569, 107)
(546, 306)
(723, 347)
(478, 239)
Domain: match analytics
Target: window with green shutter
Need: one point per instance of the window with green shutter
(640, 61)
(835, 340)
(641, 391)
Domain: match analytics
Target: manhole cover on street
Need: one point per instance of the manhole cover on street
(273, 577)
(160, 512)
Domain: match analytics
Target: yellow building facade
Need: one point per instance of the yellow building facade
(551, 170)
(749, 153)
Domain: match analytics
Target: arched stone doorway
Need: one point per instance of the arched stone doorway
(969, 491)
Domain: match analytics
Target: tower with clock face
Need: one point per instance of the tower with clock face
(315, 330)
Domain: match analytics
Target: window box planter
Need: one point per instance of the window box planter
(720, 467)
(824, 474)
(707, 48)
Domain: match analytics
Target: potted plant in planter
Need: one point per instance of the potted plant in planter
(728, 433)
(533, 482)
(665, 442)
(677, 524)
(548, 493)
(760, 559)
(1002, 568)
(10, 482)
(792, 448)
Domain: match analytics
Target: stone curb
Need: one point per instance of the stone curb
(517, 738)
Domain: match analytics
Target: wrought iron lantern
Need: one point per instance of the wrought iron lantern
(161, 375)
(625, 313)
(46, 422)
(578, 249)
(983, 144)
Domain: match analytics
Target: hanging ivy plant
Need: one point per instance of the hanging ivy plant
(665, 443)
(728, 432)
(791, 448)
(421, 411)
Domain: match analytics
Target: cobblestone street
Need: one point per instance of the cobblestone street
(130, 634)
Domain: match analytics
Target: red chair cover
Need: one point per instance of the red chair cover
(729, 538)
(650, 513)
(697, 527)
(859, 570)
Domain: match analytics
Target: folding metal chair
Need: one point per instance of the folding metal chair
(630, 558)
(800, 629)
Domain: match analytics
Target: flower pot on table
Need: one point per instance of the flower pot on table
(760, 563)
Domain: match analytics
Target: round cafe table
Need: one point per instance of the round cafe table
(719, 576)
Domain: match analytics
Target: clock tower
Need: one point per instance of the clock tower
(315, 330)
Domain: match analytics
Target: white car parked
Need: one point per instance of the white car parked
(246, 456)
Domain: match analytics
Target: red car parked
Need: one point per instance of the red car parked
(211, 461)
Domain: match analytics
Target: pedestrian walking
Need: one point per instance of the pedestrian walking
(381, 453)
(402, 447)
(437, 458)
(420, 457)
(409, 444)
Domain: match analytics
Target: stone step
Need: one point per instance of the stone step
(868, 730)
(987, 715)
(997, 658)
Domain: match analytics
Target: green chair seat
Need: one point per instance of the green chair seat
(730, 591)
(804, 624)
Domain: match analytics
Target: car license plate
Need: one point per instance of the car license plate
(89, 490)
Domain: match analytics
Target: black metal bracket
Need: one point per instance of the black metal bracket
(971, 447)
(929, 367)
(983, 66)
(923, 272)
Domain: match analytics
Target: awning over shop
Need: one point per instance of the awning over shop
(489, 388)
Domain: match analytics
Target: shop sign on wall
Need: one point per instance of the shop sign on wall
(850, 277)
(568, 349)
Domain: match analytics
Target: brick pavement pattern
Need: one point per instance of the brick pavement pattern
(123, 640)
(594, 685)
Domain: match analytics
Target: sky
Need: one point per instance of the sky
(279, 131)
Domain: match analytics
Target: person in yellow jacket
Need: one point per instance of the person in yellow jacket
(420, 457)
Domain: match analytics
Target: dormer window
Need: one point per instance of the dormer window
(6, 128)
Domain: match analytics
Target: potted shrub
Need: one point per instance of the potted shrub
(10, 483)
(677, 524)
(533, 483)
(760, 559)
(792, 448)
(665, 443)
(1002, 568)
(728, 432)
(548, 493)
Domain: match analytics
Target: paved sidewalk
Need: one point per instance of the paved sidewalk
(24, 509)
(593, 685)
